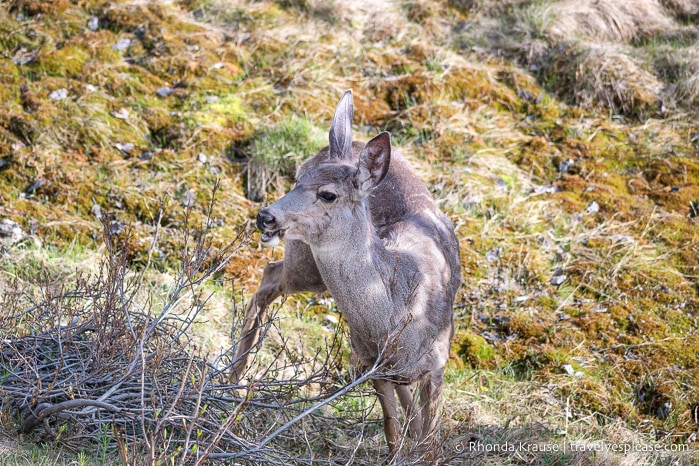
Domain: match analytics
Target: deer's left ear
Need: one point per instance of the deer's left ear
(373, 163)
(340, 137)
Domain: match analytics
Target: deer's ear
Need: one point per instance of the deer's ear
(373, 163)
(341, 128)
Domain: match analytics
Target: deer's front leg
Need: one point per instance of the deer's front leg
(296, 273)
(270, 288)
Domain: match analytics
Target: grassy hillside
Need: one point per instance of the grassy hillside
(561, 138)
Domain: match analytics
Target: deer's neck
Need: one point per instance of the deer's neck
(355, 271)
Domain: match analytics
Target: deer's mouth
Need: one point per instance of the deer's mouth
(271, 237)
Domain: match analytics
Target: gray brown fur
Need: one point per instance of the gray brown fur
(387, 254)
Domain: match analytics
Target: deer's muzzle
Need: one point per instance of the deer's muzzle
(271, 234)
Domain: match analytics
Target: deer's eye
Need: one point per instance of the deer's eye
(327, 196)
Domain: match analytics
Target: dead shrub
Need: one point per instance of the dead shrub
(101, 362)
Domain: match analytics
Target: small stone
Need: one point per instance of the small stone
(664, 410)
(93, 23)
(96, 211)
(164, 91)
(91, 88)
(331, 319)
(201, 157)
(116, 227)
(212, 99)
(189, 198)
(565, 166)
(592, 208)
(490, 336)
(10, 231)
(34, 186)
(568, 369)
(147, 155)
(558, 279)
(125, 147)
(26, 59)
(122, 44)
(492, 255)
(58, 94)
(121, 114)
(524, 94)
(545, 189)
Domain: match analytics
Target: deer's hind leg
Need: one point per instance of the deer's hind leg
(295, 274)
(412, 414)
(430, 390)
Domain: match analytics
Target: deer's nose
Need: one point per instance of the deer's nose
(265, 220)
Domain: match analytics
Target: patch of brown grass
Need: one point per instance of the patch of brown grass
(601, 75)
(606, 20)
(684, 9)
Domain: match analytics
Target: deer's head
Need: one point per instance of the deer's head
(329, 199)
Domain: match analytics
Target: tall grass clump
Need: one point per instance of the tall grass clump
(277, 152)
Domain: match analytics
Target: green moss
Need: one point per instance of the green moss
(222, 111)
(475, 351)
(9, 74)
(9, 95)
(67, 61)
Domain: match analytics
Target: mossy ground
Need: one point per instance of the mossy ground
(573, 207)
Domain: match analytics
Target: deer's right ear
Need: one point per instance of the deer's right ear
(373, 163)
(341, 128)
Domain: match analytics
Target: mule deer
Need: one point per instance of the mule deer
(360, 224)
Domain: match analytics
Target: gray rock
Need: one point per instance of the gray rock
(558, 279)
(93, 23)
(565, 166)
(592, 208)
(58, 94)
(189, 198)
(97, 211)
(164, 91)
(492, 255)
(10, 231)
(122, 44)
(125, 147)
